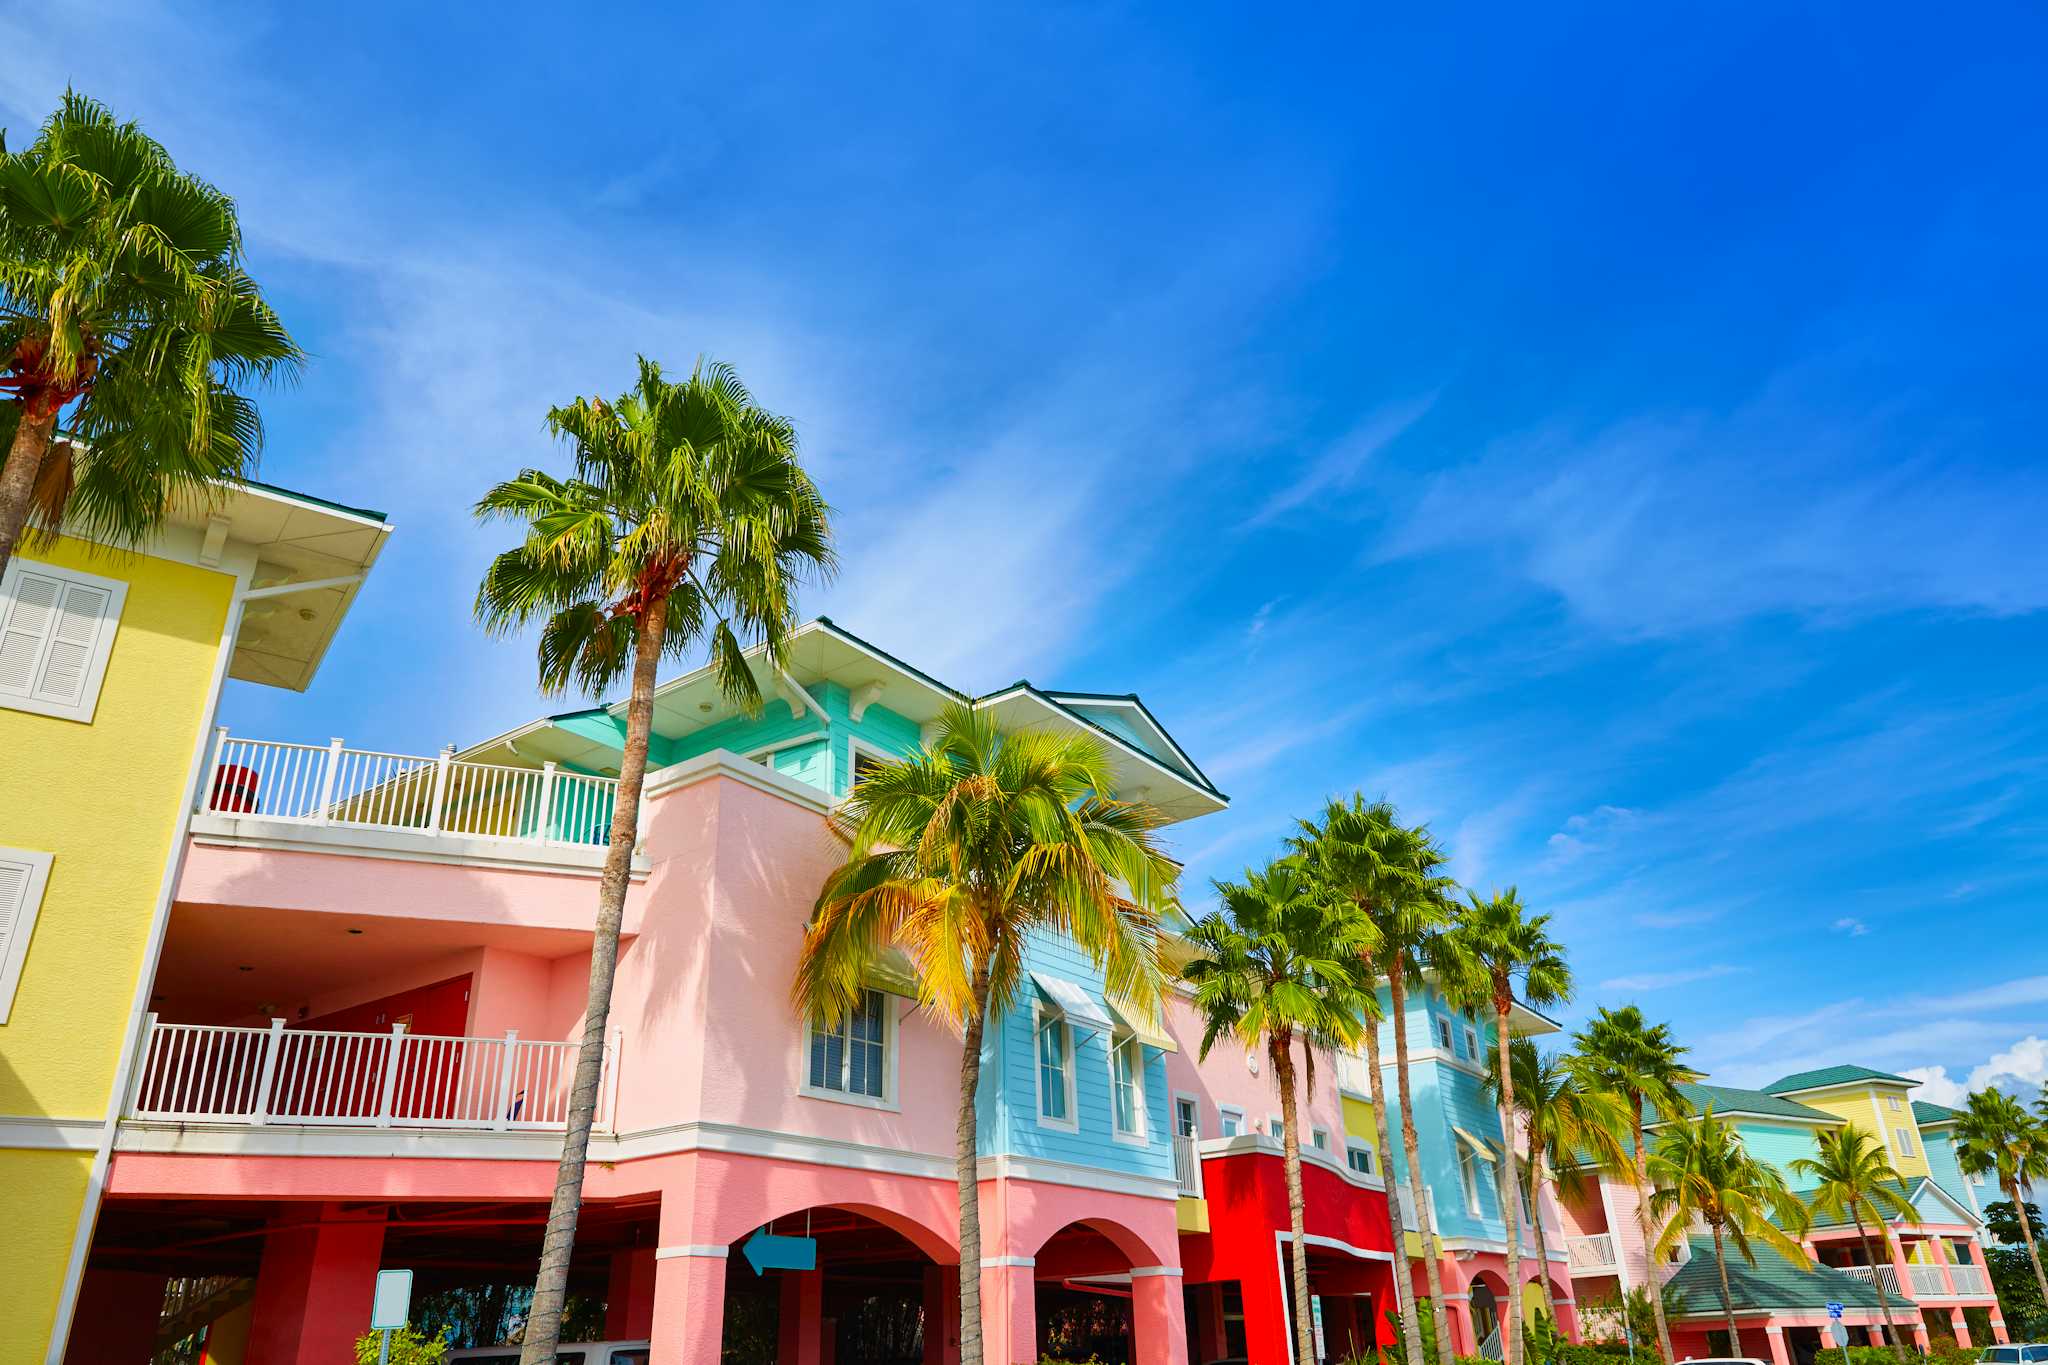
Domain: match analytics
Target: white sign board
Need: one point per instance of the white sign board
(394, 1299)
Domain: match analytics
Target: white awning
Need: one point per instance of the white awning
(892, 972)
(1074, 1002)
(1480, 1148)
(1146, 1029)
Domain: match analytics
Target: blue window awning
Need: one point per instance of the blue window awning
(1082, 1010)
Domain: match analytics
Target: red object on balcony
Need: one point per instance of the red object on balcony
(234, 789)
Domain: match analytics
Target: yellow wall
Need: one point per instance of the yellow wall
(1358, 1124)
(1852, 1106)
(104, 798)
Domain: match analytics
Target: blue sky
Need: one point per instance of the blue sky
(1615, 435)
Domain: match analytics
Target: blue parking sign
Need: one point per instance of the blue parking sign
(1834, 1310)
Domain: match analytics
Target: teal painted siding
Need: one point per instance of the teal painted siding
(1117, 720)
(1008, 1100)
(1780, 1145)
(1446, 1097)
(1940, 1148)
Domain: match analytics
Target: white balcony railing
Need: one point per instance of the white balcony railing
(1928, 1282)
(200, 1073)
(1592, 1253)
(1885, 1277)
(312, 784)
(1187, 1164)
(1970, 1281)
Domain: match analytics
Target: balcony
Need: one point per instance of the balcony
(1885, 1277)
(1187, 1164)
(1592, 1255)
(1970, 1281)
(329, 795)
(260, 1077)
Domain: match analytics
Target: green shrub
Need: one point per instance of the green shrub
(408, 1347)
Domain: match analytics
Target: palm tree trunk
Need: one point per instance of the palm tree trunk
(551, 1285)
(1411, 1147)
(1727, 1301)
(1404, 1281)
(1639, 1177)
(1510, 1213)
(967, 1171)
(1884, 1300)
(2019, 1205)
(1542, 1242)
(1282, 1050)
(25, 456)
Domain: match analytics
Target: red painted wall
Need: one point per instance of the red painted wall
(440, 1009)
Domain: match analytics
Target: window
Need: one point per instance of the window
(1127, 1087)
(1233, 1121)
(1893, 1101)
(1055, 1071)
(1187, 1116)
(852, 1058)
(1275, 1129)
(1359, 1157)
(1468, 1174)
(1320, 1140)
(1472, 1043)
(23, 875)
(1528, 1213)
(56, 631)
(866, 762)
(1443, 1033)
(1904, 1138)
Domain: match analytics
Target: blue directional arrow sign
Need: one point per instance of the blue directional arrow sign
(765, 1251)
(1834, 1310)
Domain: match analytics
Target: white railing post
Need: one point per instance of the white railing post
(503, 1117)
(440, 798)
(209, 793)
(547, 801)
(390, 1085)
(327, 780)
(272, 1043)
(142, 1063)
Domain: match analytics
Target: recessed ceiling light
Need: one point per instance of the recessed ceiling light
(704, 706)
(245, 968)
(355, 931)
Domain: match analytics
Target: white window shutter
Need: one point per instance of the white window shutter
(56, 631)
(23, 875)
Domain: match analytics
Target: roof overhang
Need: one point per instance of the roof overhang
(285, 630)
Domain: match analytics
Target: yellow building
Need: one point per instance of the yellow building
(111, 667)
(1875, 1101)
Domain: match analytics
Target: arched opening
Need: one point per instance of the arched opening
(1486, 1310)
(1084, 1293)
(851, 1284)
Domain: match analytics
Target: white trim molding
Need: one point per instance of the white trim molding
(1003, 1262)
(1139, 1272)
(708, 1253)
(37, 1133)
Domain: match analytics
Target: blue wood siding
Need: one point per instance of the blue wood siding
(1008, 1100)
(1780, 1145)
(1447, 1096)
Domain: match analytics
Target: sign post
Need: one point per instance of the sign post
(389, 1307)
(1838, 1331)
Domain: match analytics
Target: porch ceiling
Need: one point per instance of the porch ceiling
(295, 956)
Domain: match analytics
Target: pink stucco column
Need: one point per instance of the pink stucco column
(116, 1317)
(629, 1295)
(1780, 1355)
(1159, 1326)
(1009, 1313)
(314, 1285)
(801, 1332)
(688, 1327)
(941, 1315)
(1458, 1309)
(1959, 1325)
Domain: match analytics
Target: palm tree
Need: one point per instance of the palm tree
(1276, 965)
(1393, 873)
(1493, 942)
(959, 854)
(1621, 1054)
(1704, 1174)
(124, 300)
(1996, 1136)
(1353, 856)
(1564, 1124)
(1854, 1179)
(688, 522)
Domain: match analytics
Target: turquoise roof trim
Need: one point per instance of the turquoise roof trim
(1833, 1075)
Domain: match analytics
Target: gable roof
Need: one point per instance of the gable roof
(1910, 1190)
(1772, 1283)
(1728, 1101)
(1933, 1115)
(1828, 1076)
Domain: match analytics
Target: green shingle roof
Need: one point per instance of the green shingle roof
(1902, 1188)
(1923, 1112)
(1833, 1075)
(1726, 1099)
(1772, 1283)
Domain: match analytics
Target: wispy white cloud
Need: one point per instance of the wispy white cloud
(1850, 925)
(1659, 981)
(1594, 831)
(1339, 467)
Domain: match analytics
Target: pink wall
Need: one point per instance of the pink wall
(1224, 1079)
